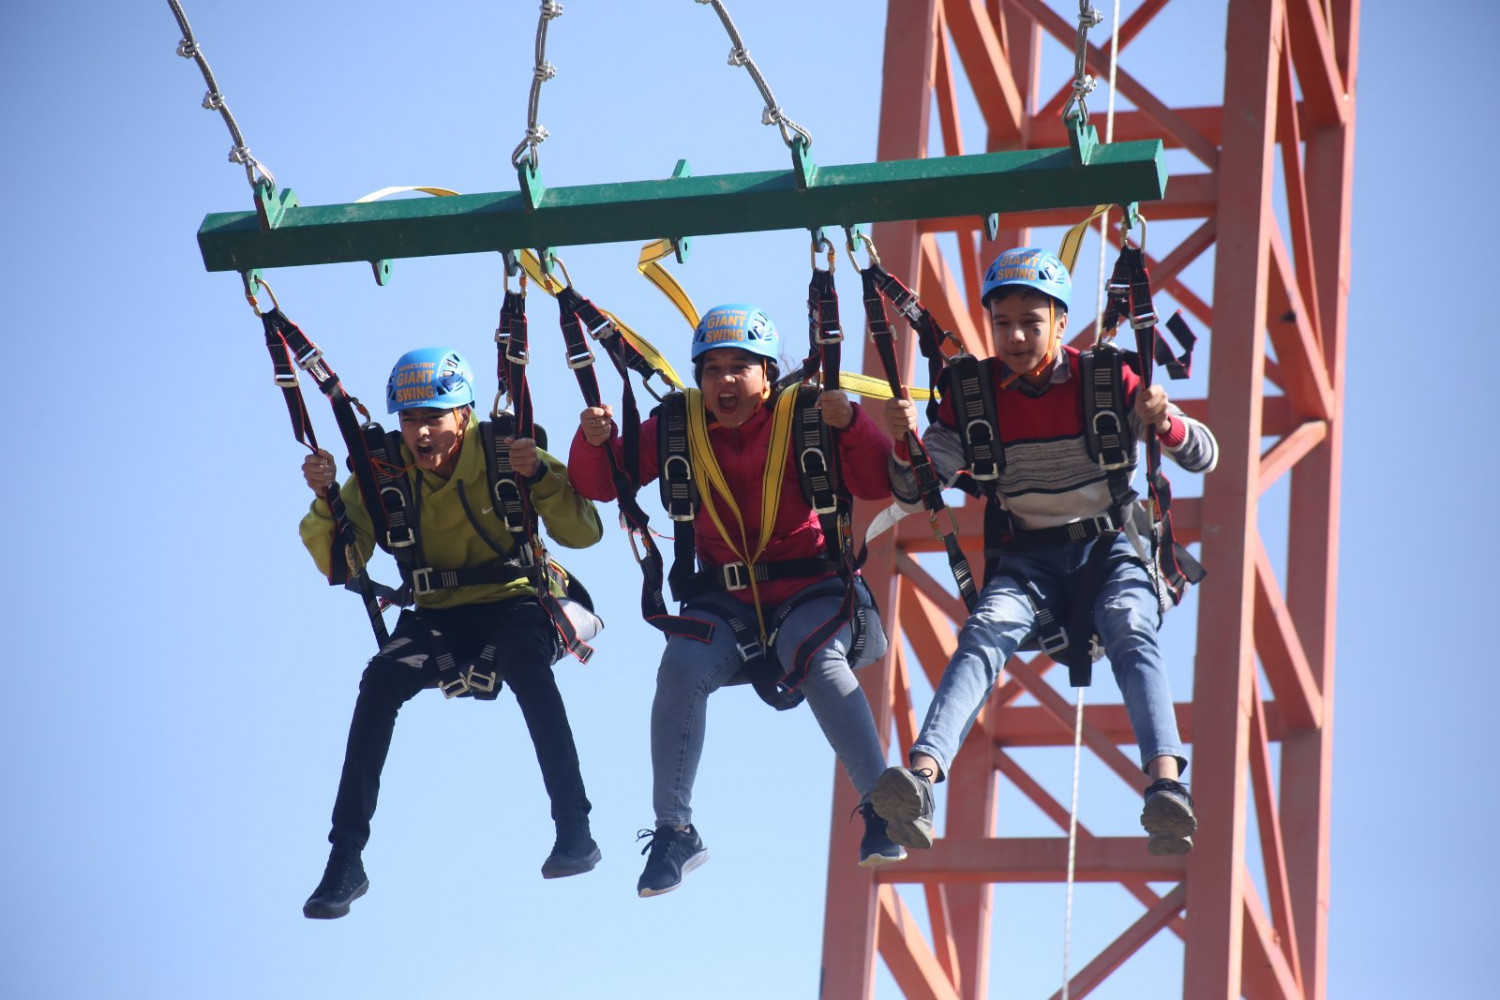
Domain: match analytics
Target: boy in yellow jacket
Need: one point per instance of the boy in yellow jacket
(460, 537)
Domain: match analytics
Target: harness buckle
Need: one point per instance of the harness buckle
(401, 537)
(481, 683)
(581, 360)
(736, 575)
(1053, 644)
(680, 482)
(421, 583)
(456, 687)
(1116, 431)
(309, 356)
(285, 381)
(750, 650)
(835, 337)
(1143, 321)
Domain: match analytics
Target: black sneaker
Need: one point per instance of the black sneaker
(573, 853)
(903, 798)
(673, 853)
(1168, 818)
(876, 848)
(343, 882)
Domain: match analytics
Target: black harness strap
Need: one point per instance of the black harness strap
(574, 311)
(877, 283)
(1130, 294)
(285, 342)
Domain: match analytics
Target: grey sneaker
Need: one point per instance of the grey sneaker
(673, 853)
(344, 881)
(1168, 818)
(903, 798)
(876, 848)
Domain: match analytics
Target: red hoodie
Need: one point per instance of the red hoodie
(742, 453)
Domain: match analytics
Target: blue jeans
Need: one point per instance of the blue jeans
(690, 671)
(1126, 614)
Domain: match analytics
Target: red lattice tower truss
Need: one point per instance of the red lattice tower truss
(1263, 184)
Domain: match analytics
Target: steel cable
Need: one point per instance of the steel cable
(740, 56)
(543, 71)
(189, 48)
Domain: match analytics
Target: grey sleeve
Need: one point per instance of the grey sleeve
(946, 451)
(1199, 451)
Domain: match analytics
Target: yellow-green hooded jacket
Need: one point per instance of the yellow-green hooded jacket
(448, 540)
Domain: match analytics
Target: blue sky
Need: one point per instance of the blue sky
(181, 688)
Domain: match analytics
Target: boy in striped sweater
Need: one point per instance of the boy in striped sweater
(1060, 506)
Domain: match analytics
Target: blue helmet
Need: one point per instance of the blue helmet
(430, 376)
(737, 325)
(1028, 267)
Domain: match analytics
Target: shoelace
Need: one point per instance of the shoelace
(660, 840)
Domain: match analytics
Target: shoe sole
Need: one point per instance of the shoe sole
(1163, 816)
(563, 871)
(898, 801)
(1165, 845)
(880, 860)
(332, 911)
(691, 864)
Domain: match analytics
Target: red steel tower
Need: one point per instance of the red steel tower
(1262, 185)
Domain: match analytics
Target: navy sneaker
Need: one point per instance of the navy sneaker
(673, 853)
(343, 882)
(1168, 818)
(903, 798)
(876, 848)
(573, 853)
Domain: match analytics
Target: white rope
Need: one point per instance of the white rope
(1109, 136)
(1072, 844)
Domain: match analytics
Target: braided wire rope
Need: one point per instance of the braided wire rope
(536, 133)
(214, 100)
(1083, 83)
(740, 56)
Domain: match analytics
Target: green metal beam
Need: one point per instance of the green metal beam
(681, 206)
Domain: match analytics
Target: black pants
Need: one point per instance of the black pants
(405, 665)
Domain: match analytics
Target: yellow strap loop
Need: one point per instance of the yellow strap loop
(1073, 238)
(706, 464)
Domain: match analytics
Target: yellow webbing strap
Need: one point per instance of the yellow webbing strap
(436, 192)
(650, 267)
(706, 464)
(1073, 238)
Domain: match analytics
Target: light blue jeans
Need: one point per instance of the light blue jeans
(690, 671)
(1125, 614)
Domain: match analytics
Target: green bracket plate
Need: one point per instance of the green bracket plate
(932, 188)
(271, 205)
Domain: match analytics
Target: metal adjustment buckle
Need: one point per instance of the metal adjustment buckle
(677, 471)
(581, 360)
(525, 555)
(750, 650)
(454, 688)
(400, 537)
(1116, 431)
(482, 683)
(736, 575)
(984, 441)
(309, 356)
(1053, 644)
(1141, 321)
(421, 581)
(837, 337)
(287, 381)
(524, 358)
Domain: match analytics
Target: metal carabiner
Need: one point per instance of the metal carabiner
(253, 284)
(853, 233)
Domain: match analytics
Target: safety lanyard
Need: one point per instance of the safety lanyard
(286, 343)
(878, 285)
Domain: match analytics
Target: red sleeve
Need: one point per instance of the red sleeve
(864, 451)
(588, 465)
